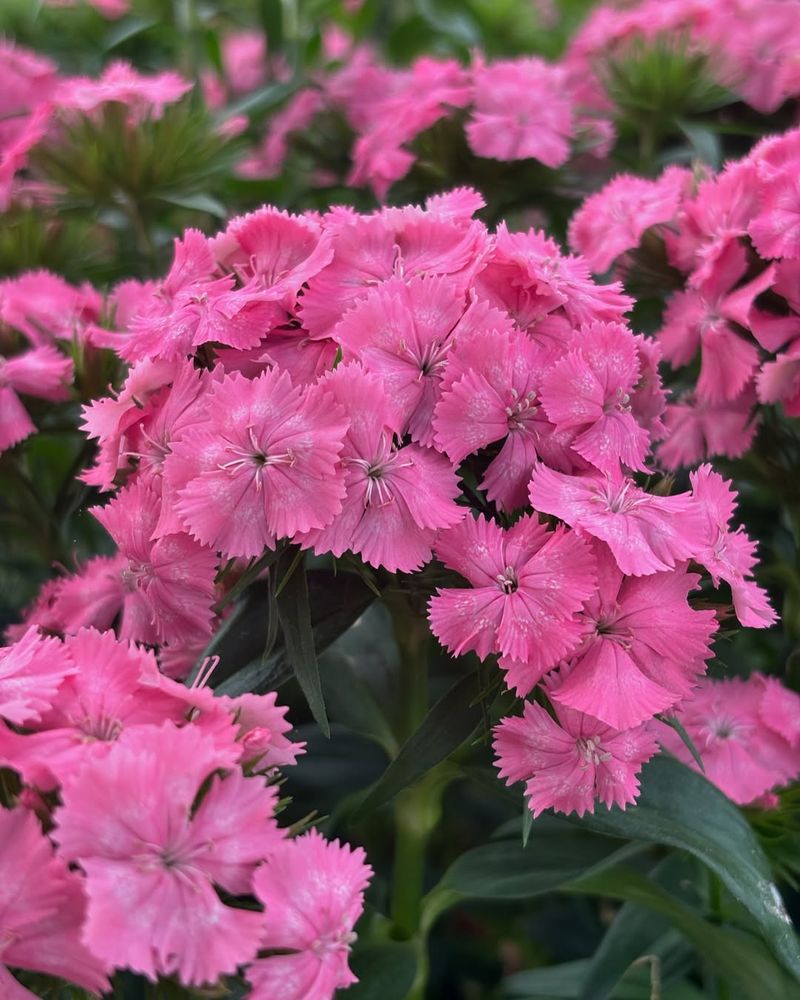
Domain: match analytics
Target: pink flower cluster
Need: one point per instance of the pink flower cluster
(751, 45)
(329, 380)
(735, 238)
(158, 884)
(517, 109)
(34, 100)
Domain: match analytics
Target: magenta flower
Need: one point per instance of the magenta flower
(646, 533)
(491, 393)
(396, 498)
(527, 584)
(615, 218)
(145, 96)
(643, 649)
(742, 754)
(729, 555)
(522, 110)
(589, 393)
(529, 277)
(41, 911)
(403, 331)
(569, 762)
(169, 583)
(31, 672)
(266, 464)
(696, 429)
(775, 229)
(43, 372)
(313, 893)
(152, 863)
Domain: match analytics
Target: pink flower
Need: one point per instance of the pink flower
(27, 78)
(529, 277)
(571, 761)
(313, 893)
(244, 60)
(169, 583)
(775, 230)
(145, 96)
(527, 584)
(369, 249)
(696, 429)
(296, 115)
(262, 728)
(31, 672)
(396, 498)
(779, 709)
(588, 392)
(266, 464)
(277, 251)
(694, 319)
(643, 649)
(41, 912)
(615, 218)
(729, 555)
(779, 381)
(42, 372)
(647, 534)
(491, 393)
(522, 110)
(152, 862)
(92, 597)
(110, 689)
(741, 755)
(403, 331)
(43, 306)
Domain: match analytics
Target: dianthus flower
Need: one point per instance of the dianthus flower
(741, 753)
(266, 464)
(41, 912)
(646, 533)
(521, 111)
(615, 218)
(169, 583)
(695, 429)
(588, 392)
(491, 393)
(643, 649)
(527, 584)
(145, 96)
(31, 672)
(43, 372)
(570, 761)
(313, 893)
(396, 498)
(729, 555)
(152, 864)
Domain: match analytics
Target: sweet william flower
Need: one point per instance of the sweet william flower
(589, 392)
(397, 498)
(646, 533)
(527, 584)
(313, 893)
(152, 863)
(266, 464)
(42, 907)
(729, 555)
(42, 372)
(571, 761)
(696, 429)
(169, 583)
(644, 647)
(31, 672)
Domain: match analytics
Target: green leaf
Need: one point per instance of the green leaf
(674, 723)
(294, 613)
(270, 14)
(680, 808)
(554, 857)
(336, 602)
(385, 971)
(448, 724)
(705, 143)
(738, 957)
(127, 29)
(197, 202)
(563, 982)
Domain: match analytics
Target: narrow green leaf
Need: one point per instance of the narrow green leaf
(680, 808)
(554, 857)
(127, 29)
(527, 822)
(448, 724)
(674, 723)
(704, 141)
(197, 202)
(294, 612)
(738, 957)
